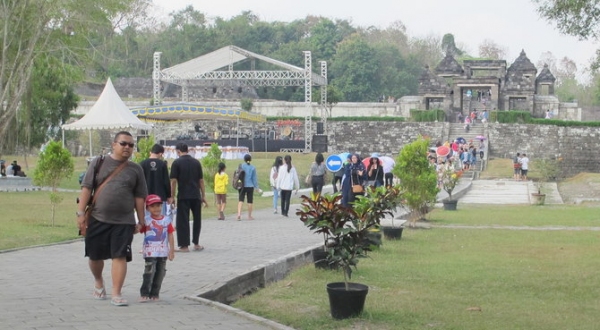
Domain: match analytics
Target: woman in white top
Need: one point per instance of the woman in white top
(287, 180)
(273, 179)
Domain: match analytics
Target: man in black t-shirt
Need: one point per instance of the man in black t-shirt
(187, 180)
(157, 175)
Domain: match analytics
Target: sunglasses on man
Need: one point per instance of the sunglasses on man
(123, 143)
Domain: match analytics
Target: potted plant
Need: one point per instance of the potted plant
(317, 207)
(546, 169)
(346, 229)
(389, 199)
(450, 178)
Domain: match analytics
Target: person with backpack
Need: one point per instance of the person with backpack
(221, 181)
(273, 181)
(248, 172)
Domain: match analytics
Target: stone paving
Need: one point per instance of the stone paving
(50, 287)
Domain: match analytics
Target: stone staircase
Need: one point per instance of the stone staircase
(457, 130)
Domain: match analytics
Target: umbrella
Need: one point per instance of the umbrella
(480, 137)
(344, 156)
(367, 160)
(387, 163)
(461, 140)
(442, 151)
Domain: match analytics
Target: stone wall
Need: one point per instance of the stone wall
(578, 147)
(376, 136)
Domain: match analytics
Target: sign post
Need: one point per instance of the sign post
(334, 163)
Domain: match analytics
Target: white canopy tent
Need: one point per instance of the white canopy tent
(109, 112)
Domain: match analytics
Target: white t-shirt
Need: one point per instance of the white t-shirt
(524, 163)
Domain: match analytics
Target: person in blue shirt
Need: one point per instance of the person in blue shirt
(250, 183)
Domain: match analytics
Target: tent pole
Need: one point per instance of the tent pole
(90, 136)
(63, 137)
(237, 135)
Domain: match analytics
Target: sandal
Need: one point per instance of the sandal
(144, 299)
(119, 301)
(198, 248)
(99, 293)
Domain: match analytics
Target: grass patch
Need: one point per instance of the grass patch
(520, 279)
(517, 215)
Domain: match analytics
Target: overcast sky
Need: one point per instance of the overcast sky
(513, 24)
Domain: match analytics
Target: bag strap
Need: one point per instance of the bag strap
(112, 175)
(95, 177)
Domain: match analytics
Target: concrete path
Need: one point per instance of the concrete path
(51, 286)
(507, 192)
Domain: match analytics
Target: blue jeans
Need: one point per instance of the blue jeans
(275, 197)
(154, 273)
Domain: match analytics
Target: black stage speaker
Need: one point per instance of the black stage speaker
(319, 143)
(320, 128)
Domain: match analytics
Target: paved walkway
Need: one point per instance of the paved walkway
(50, 287)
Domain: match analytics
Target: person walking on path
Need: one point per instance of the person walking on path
(111, 226)
(221, 182)
(317, 174)
(286, 182)
(273, 180)
(187, 179)
(157, 176)
(250, 183)
(517, 167)
(337, 177)
(158, 246)
(524, 161)
(355, 173)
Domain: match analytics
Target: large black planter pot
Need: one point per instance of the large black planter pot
(344, 304)
(392, 232)
(450, 205)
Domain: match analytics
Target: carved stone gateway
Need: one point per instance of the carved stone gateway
(490, 85)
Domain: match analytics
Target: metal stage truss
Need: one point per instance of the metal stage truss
(207, 71)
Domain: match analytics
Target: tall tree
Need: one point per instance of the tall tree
(449, 46)
(490, 49)
(579, 18)
(32, 28)
(353, 69)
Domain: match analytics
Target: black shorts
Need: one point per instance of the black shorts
(249, 192)
(108, 241)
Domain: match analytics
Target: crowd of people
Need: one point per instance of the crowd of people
(521, 167)
(462, 156)
(13, 169)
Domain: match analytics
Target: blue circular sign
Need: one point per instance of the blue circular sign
(334, 163)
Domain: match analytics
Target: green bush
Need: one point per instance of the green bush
(427, 115)
(210, 165)
(511, 116)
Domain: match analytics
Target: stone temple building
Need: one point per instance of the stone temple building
(491, 85)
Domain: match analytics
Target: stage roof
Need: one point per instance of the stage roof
(185, 111)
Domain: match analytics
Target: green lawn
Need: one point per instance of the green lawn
(439, 278)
